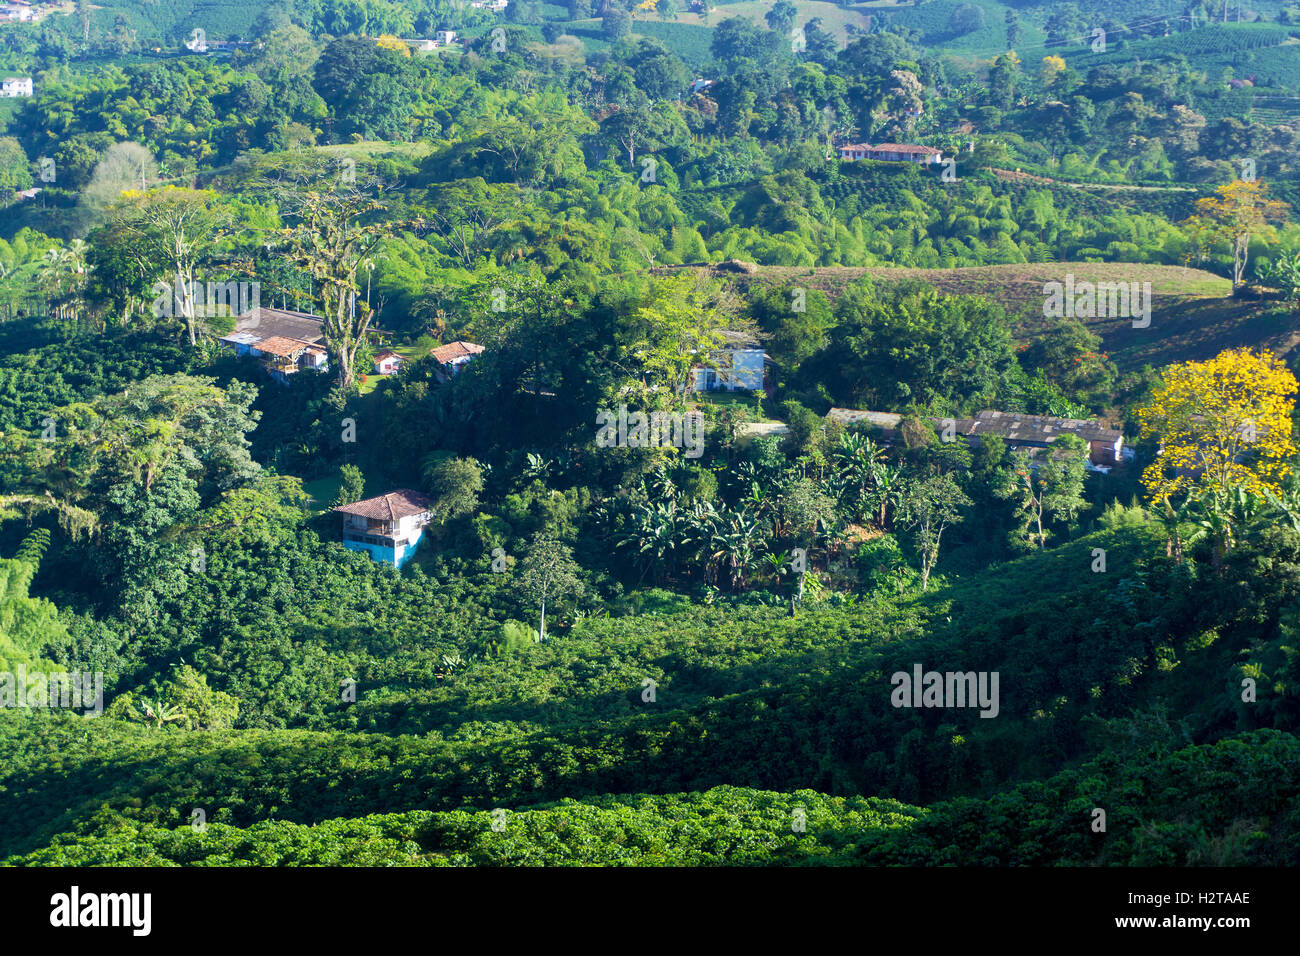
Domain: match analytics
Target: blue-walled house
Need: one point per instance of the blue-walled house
(388, 527)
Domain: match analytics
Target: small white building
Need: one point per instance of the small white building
(454, 356)
(387, 362)
(444, 37)
(16, 86)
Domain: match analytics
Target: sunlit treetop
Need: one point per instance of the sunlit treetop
(1220, 424)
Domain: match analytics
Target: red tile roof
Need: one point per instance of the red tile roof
(283, 347)
(454, 350)
(896, 148)
(401, 503)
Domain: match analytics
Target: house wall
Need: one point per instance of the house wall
(412, 525)
(738, 370)
(1104, 452)
(397, 557)
(746, 370)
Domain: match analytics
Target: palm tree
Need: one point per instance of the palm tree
(1285, 505)
(733, 545)
(537, 467)
(157, 712)
(855, 461)
(888, 491)
(660, 484)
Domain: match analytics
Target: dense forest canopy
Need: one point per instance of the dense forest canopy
(654, 617)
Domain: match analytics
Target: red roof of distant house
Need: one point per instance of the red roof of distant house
(386, 354)
(393, 506)
(283, 347)
(454, 350)
(914, 150)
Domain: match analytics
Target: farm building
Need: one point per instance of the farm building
(1029, 433)
(387, 527)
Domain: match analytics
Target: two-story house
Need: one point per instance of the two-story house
(16, 86)
(387, 527)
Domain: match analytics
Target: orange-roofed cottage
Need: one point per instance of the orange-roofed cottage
(387, 527)
(454, 356)
(892, 153)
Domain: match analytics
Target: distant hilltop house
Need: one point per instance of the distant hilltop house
(740, 365)
(496, 6)
(440, 39)
(892, 153)
(387, 362)
(454, 356)
(284, 342)
(16, 86)
(1026, 433)
(701, 85)
(17, 10)
(226, 46)
(387, 527)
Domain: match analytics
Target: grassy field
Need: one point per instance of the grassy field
(1193, 316)
(834, 17)
(324, 490)
(1015, 286)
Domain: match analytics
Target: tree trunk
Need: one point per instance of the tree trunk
(542, 630)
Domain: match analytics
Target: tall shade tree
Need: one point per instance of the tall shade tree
(680, 322)
(170, 232)
(124, 166)
(932, 505)
(129, 438)
(1219, 426)
(548, 574)
(334, 228)
(1053, 489)
(1235, 213)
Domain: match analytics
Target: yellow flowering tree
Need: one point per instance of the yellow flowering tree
(1223, 428)
(389, 42)
(1236, 212)
(1050, 69)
